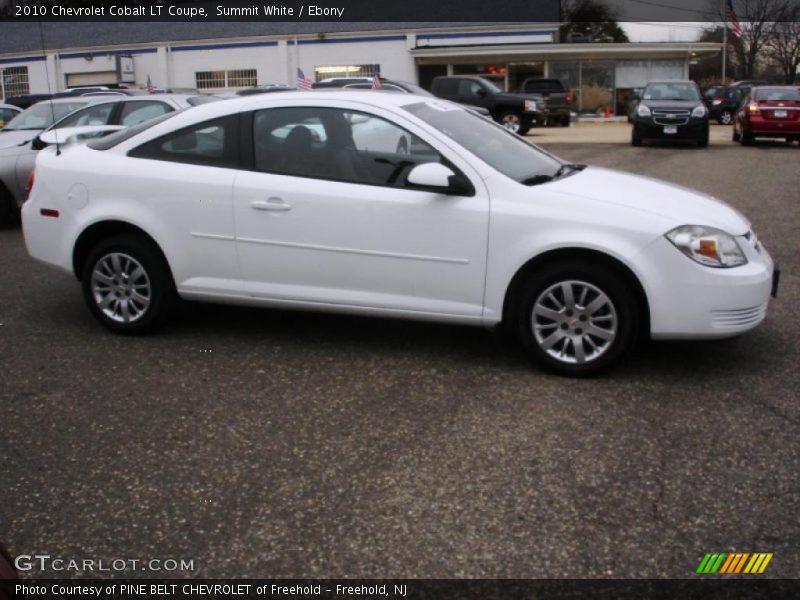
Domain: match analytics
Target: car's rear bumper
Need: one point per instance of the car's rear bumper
(688, 300)
(772, 128)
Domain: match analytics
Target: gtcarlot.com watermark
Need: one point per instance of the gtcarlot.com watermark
(46, 562)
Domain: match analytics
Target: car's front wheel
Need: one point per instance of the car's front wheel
(577, 320)
(127, 284)
(702, 140)
(636, 138)
(513, 122)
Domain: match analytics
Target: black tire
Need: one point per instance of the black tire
(725, 117)
(161, 288)
(735, 136)
(565, 122)
(524, 129)
(746, 139)
(702, 141)
(636, 139)
(9, 211)
(622, 307)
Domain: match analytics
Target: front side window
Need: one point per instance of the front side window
(212, 143)
(342, 145)
(99, 114)
(137, 112)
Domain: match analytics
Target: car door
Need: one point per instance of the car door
(323, 218)
(474, 92)
(185, 179)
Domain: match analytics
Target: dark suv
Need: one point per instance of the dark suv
(670, 110)
(722, 102)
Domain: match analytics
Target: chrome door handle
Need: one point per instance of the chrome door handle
(272, 204)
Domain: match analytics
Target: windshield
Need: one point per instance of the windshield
(777, 94)
(501, 149)
(40, 116)
(671, 91)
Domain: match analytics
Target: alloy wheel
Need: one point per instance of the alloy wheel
(511, 122)
(121, 287)
(574, 322)
(726, 118)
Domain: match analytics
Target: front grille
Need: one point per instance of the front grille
(671, 117)
(742, 317)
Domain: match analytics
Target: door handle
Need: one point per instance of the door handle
(272, 204)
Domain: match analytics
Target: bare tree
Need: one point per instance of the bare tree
(758, 19)
(783, 45)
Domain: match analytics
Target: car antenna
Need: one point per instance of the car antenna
(49, 91)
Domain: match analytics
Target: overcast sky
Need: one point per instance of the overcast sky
(664, 32)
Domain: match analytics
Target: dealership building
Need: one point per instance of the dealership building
(224, 56)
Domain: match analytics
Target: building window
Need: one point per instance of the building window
(338, 71)
(216, 80)
(15, 81)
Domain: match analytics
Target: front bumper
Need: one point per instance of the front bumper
(646, 128)
(688, 300)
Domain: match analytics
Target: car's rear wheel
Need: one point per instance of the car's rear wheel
(565, 122)
(735, 136)
(577, 319)
(746, 139)
(636, 139)
(127, 284)
(513, 122)
(725, 117)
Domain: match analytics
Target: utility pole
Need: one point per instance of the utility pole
(724, 42)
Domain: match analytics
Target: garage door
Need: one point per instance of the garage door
(96, 78)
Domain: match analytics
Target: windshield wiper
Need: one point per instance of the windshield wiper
(563, 170)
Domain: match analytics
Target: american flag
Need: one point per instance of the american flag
(151, 89)
(730, 15)
(376, 82)
(303, 82)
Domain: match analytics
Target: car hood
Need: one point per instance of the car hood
(15, 138)
(681, 205)
(666, 104)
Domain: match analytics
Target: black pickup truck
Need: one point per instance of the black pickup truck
(558, 98)
(515, 112)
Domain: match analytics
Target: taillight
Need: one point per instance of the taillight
(29, 184)
(753, 108)
(716, 101)
(569, 98)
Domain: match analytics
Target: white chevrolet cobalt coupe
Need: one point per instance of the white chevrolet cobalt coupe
(278, 200)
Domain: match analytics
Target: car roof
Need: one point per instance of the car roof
(334, 96)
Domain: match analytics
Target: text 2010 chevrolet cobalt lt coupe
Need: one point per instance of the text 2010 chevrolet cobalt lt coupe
(309, 200)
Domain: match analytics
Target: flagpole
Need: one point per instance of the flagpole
(724, 43)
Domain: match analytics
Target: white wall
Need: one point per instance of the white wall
(393, 56)
(262, 58)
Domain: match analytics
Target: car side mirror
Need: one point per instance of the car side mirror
(481, 93)
(437, 177)
(37, 143)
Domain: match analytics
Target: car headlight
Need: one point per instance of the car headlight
(530, 106)
(643, 111)
(699, 111)
(707, 246)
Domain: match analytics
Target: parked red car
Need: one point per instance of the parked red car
(768, 111)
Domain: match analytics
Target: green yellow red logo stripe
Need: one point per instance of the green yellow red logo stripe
(732, 563)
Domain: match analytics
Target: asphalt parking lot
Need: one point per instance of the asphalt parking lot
(277, 444)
